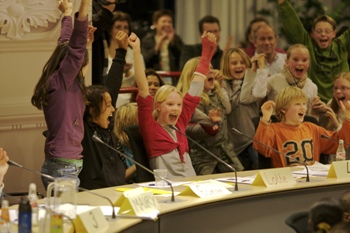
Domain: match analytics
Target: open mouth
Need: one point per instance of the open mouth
(109, 119)
(341, 98)
(173, 117)
(299, 71)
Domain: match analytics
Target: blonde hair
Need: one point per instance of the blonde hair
(125, 115)
(296, 46)
(187, 75)
(161, 95)
(334, 103)
(225, 61)
(285, 98)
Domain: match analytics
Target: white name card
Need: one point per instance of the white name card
(139, 203)
(205, 189)
(90, 221)
(339, 169)
(274, 177)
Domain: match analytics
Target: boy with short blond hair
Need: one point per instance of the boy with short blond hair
(291, 136)
(329, 55)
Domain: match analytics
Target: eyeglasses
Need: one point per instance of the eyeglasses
(326, 32)
(342, 88)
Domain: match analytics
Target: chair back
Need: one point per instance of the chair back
(299, 221)
(139, 152)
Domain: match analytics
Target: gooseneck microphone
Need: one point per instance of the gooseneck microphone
(332, 139)
(96, 138)
(210, 153)
(274, 150)
(10, 162)
(13, 163)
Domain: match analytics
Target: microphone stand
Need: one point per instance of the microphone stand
(210, 153)
(13, 163)
(10, 162)
(96, 138)
(273, 149)
(332, 139)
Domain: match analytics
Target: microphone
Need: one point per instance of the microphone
(273, 149)
(210, 153)
(96, 138)
(332, 139)
(10, 162)
(99, 195)
(13, 163)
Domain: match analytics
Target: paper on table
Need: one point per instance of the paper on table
(242, 180)
(317, 169)
(146, 188)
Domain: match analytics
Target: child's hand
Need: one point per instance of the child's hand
(317, 106)
(345, 106)
(215, 115)
(90, 36)
(208, 45)
(330, 114)
(267, 110)
(134, 42)
(258, 61)
(122, 40)
(66, 7)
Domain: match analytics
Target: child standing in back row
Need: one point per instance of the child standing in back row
(328, 57)
(166, 147)
(291, 136)
(239, 77)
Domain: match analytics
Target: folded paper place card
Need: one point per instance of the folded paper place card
(205, 189)
(339, 169)
(90, 221)
(138, 202)
(274, 177)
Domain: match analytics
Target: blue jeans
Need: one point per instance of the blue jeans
(249, 158)
(59, 168)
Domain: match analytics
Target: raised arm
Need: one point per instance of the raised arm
(140, 76)
(66, 7)
(83, 10)
(208, 49)
(293, 27)
(115, 74)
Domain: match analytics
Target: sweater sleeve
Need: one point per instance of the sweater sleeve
(72, 62)
(259, 88)
(292, 25)
(115, 74)
(66, 29)
(254, 86)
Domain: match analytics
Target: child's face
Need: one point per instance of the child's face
(298, 62)
(170, 109)
(237, 66)
(153, 84)
(341, 90)
(119, 26)
(323, 34)
(294, 115)
(107, 109)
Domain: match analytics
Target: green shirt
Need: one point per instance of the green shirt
(325, 64)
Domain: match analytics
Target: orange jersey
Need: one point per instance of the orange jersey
(303, 142)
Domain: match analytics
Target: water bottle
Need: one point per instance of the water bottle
(24, 216)
(33, 199)
(5, 217)
(340, 155)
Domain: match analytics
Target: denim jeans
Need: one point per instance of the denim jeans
(249, 158)
(59, 168)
